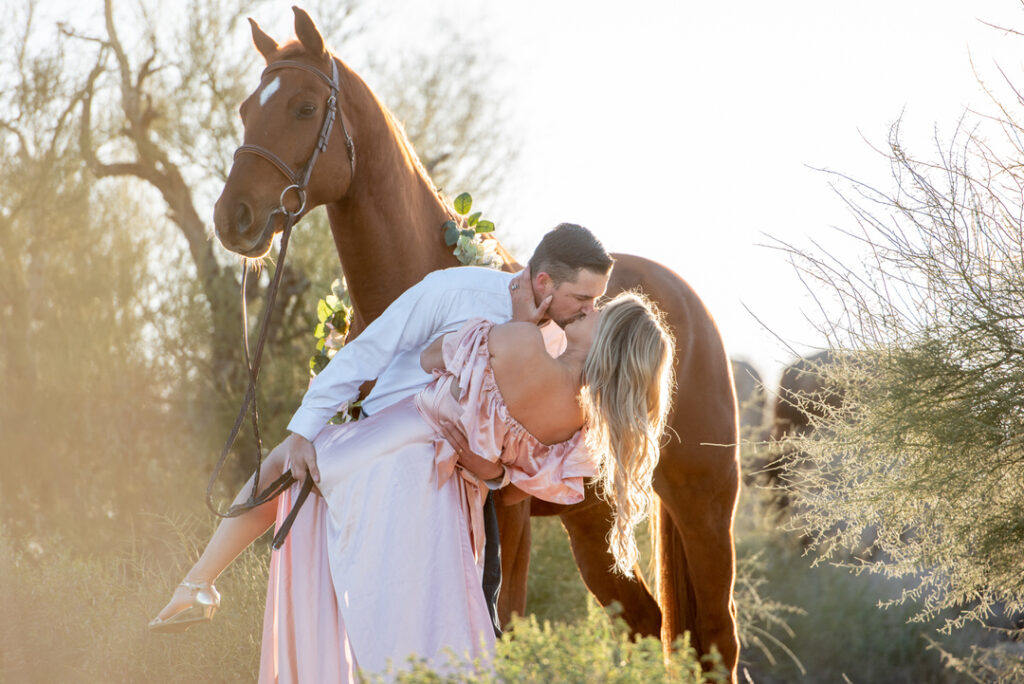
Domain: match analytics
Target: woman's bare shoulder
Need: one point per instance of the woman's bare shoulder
(516, 339)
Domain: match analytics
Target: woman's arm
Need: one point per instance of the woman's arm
(478, 465)
(432, 357)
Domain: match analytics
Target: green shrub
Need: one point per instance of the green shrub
(594, 649)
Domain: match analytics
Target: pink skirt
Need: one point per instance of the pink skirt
(379, 570)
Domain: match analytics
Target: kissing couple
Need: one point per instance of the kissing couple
(490, 387)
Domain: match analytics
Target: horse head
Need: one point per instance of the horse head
(296, 152)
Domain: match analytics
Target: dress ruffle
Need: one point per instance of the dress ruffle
(553, 472)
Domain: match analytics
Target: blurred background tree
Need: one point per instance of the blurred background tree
(120, 316)
(116, 140)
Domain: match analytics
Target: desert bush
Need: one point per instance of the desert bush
(928, 338)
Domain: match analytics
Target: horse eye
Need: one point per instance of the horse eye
(307, 110)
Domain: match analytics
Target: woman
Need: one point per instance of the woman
(404, 531)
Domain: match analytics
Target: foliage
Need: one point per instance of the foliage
(839, 633)
(556, 592)
(470, 247)
(94, 608)
(88, 394)
(594, 649)
(80, 617)
(927, 448)
(333, 316)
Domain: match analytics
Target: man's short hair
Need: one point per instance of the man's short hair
(567, 249)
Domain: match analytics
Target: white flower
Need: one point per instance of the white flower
(475, 251)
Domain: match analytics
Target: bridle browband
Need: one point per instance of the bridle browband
(297, 182)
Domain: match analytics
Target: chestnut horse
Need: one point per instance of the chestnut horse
(386, 218)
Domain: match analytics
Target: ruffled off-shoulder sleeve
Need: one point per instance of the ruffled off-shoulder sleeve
(553, 473)
(467, 357)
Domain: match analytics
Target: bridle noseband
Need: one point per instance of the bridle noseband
(297, 182)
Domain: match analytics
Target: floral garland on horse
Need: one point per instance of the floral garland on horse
(334, 311)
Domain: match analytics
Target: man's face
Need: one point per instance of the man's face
(571, 299)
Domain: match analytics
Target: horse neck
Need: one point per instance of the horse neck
(387, 228)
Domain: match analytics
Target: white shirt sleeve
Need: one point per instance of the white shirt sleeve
(408, 322)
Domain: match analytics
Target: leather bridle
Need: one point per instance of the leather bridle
(297, 182)
(300, 180)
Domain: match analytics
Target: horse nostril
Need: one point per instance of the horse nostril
(243, 218)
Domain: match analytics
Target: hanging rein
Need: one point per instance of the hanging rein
(298, 182)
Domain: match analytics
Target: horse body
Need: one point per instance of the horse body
(803, 395)
(697, 483)
(697, 479)
(386, 221)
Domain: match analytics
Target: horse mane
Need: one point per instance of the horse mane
(397, 129)
(294, 48)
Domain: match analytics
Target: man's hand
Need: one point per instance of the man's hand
(524, 306)
(478, 465)
(299, 451)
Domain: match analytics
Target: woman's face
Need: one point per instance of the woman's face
(582, 330)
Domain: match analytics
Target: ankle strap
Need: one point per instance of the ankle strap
(195, 586)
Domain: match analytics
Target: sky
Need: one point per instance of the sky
(695, 133)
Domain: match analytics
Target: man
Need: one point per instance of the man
(567, 273)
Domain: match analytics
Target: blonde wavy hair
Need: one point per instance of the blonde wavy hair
(626, 395)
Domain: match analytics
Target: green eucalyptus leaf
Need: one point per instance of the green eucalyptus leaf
(323, 311)
(467, 233)
(320, 345)
(485, 227)
(338, 288)
(340, 320)
(319, 332)
(333, 302)
(473, 218)
(463, 203)
(318, 363)
(451, 234)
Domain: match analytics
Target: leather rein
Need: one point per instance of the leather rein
(298, 182)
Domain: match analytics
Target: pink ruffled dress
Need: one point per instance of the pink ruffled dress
(387, 566)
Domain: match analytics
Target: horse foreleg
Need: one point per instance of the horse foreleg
(588, 527)
(514, 528)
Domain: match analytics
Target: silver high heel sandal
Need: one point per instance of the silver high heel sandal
(205, 601)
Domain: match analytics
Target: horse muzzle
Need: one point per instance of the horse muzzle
(242, 230)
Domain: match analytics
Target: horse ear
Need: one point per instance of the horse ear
(308, 33)
(264, 43)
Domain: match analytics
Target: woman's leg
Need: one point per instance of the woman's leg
(231, 537)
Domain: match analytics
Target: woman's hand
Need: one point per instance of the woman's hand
(524, 305)
(478, 465)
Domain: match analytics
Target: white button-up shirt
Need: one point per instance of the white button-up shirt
(389, 348)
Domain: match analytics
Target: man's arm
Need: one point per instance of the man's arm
(407, 323)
